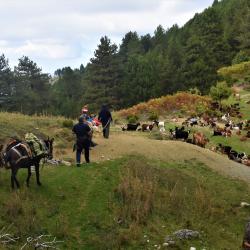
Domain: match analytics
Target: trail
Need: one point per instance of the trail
(120, 144)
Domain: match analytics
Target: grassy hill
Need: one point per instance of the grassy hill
(130, 203)
(238, 73)
(126, 202)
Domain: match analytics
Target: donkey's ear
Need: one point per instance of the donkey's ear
(48, 138)
(1, 147)
(52, 139)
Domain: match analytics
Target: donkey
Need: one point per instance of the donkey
(15, 163)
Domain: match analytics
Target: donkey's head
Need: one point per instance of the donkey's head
(49, 146)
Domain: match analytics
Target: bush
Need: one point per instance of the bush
(67, 123)
(201, 109)
(153, 116)
(132, 119)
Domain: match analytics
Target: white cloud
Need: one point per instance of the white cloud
(54, 32)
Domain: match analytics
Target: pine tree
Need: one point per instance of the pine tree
(5, 76)
(6, 82)
(31, 87)
(102, 76)
(68, 92)
(244, 37)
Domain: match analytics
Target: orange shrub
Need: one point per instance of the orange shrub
(181, 101)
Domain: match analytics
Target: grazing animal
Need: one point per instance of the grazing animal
(225, 117)
(227, 133)
(217, 133)
(13, 157)
(131, 127)
(161, 126)
(243, 138)
(246, 161)
(213, 124)
(238, 132)
(181, 133)
(224, 149)
(199, 139)
(248, 134)
(148, 127)
(235, 156)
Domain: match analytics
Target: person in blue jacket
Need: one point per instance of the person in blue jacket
(83, 139)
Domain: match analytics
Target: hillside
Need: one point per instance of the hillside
(178, 104)
(134, 194)
(238, 73)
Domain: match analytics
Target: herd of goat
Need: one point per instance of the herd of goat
(199, 138)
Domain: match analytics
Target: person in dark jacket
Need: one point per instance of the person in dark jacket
(83, 135)
(105, 117)
(246, 239)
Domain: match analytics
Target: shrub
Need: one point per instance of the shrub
(153, 116)
(200, 109)
(67, 123)
(132, 118)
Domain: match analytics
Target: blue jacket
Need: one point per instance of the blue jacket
(81, 130)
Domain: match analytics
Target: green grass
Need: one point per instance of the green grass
(17, 125)
(114, 204)
(244, 107)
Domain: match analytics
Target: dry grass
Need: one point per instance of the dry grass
(136, 193)
(149, 196)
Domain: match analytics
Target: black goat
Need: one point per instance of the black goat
(131, 127)
(180, 133)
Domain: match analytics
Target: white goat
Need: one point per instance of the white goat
(161, 126)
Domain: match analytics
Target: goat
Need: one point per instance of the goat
(217, 133)
(199, 139)
(224, 149)
(131, 127)
(180, 133)
(148, 127)
(248, 134)
(161, 126)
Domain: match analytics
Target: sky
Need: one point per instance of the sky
(59, 33)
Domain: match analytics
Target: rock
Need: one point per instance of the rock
(244, 204)
(66, 163)
(185, 234)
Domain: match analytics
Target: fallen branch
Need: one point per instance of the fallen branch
(5, 237)
(39, 243)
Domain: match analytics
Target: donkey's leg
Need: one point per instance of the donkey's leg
(14, 179)
(28, 178)
(37, 174)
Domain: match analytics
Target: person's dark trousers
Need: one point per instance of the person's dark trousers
(106, 130)
(82, 144)
(78, 155)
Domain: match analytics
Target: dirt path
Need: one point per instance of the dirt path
(120, 144)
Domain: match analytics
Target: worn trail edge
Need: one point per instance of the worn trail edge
(168, 151)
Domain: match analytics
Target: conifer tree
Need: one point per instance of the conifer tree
(102, 76)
